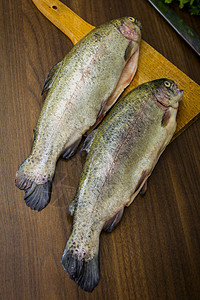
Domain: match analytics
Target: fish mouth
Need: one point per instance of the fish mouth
(180, 94)
(177, 91)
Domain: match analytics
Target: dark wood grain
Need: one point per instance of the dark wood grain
(154, 252)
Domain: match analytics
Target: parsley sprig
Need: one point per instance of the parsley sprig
(193, 6)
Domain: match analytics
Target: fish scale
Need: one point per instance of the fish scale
(77, 89)
(122, 153)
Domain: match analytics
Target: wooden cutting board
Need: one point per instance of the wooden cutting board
(152, 65)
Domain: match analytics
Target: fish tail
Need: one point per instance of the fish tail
(81, 266)
(37, 187)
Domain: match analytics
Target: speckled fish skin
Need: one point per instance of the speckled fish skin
(121, 156)
(78, 87)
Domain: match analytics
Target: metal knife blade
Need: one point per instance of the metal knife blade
(185, 31)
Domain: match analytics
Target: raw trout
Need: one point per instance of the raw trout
(81, 88)
(122, 153)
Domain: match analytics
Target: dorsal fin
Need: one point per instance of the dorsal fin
(51, 77)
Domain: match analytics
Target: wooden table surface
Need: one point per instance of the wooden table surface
(155, 251)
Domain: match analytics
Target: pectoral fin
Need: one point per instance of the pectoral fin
(51, 77)
(129, 50)
(166, 118)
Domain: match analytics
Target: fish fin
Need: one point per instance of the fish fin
(35, 132)
(165, 118)
(71, 150)
(111, 223)
(72, 207)
(143, 189)
(38, 195)
(99, 118)
(142, 180)
(84, 272)
(125, 79)
(51, 77)
(21, 180)
(88, 141)
(128, 50)
(139, 187)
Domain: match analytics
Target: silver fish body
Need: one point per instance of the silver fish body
(84, 84)
(122, 153)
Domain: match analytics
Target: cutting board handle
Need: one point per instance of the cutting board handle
(64, 18)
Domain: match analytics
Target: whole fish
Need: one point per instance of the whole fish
(122, 153)
(81, 88)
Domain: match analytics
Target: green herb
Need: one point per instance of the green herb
(193, 6)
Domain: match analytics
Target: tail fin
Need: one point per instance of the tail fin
(84, 271)
(37, 195)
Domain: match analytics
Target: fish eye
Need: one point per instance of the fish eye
(131, 19)
(167, 84)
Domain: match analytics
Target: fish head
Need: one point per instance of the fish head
(130, 28)
(166, 93)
